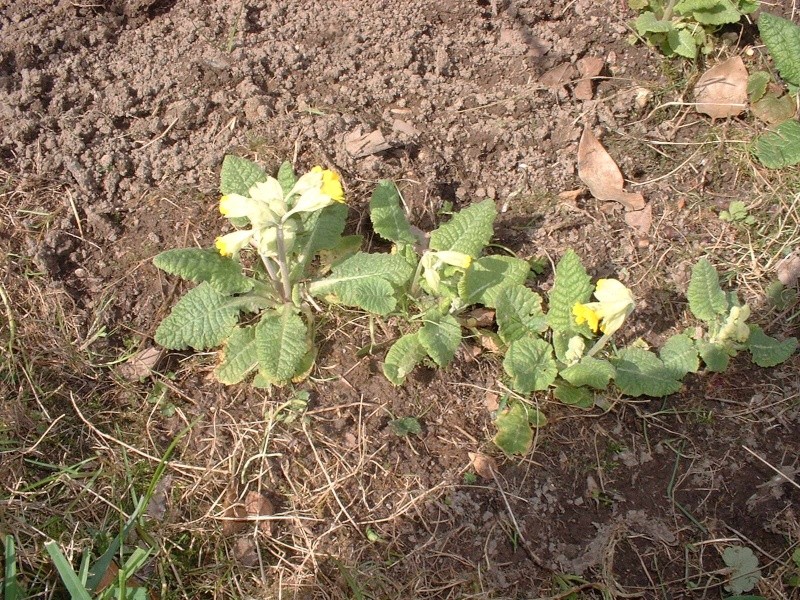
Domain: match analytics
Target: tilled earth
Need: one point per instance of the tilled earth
(114, 120)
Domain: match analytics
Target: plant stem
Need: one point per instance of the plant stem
(273, 276)
(599, 344)
(287, 287)
(668, 10)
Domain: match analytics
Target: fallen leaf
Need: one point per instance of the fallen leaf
(640, 220)
(558, 76)
(479, 317)
(774, 109)
(588, 67)
(722, 90)
(140, 364)
(601, 174)
(359, 145)
(788, 270)
(485, 466)
(234, 515)
(491, 401)
(245, 551)
(570, 195)
(258, 505)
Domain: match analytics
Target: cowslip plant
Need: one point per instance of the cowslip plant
(571, 354)
(682, 27)
(257, 272)
(779, 147)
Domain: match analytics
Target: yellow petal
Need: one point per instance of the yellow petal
(332, 185)
(231, 243)
(584, 313)
(454, 259)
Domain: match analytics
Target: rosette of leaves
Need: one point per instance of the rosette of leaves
(682, 27)
(235, 306)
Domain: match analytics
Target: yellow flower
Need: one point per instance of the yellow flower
(315, 190)
(735, 327)
(615, 303)
(433, 261)
(231, 243)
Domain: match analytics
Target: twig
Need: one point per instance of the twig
(778, 471)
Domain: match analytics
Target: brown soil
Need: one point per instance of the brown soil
(115, 118)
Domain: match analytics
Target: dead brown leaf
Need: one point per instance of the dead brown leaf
(570, 195)
(588, 67)
(722, 90)
(258, 505)
(359, 145)
(558, 77)
(485, 466)
(479, 317)
(140, 364)
(789, 270)
(491, 401)
(601, 174)
(640, 220)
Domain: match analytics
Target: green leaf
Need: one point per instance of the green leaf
(757, 85)
(281, 344)
(286, 177)
(590, 371)
(782, 39)
(440, 336)
(642, 373)
(322, 230)
(679, 355)
(198, 265)
(715, 356)
(238, 175)
(11, 587)
(367, 281)
(514, 433)
(405, 426)
(574, 396)
(519, 313)
(468, 232)
(774, 109)
(405, 354)
(780, 147)
(766, 350)
(387, 215)
(202, 319)
(239, 356)
(77, 590)
(707, 301)
(745, 572)
(530, 364)
(647, 22)
(715, 12)
(682, 42)
(488, 276)
(572, 285)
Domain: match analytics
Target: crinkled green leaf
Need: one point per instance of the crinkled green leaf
(530, 364)
(239, 174)
(405, 354)
(715, 356)
(405, 426)
(514, 433)
(387, 215)
(202, 319)
(239, 355)
(707, 301)
(468, 232)
(682, 43)
(780, 147)
(757, 85)
(286, 177)
(639, 372)
(745, 572)
(574, 396)
(281, 344)
(488, 276)
(679, 355)
(322, 229)
(440, 336)
(367, 281)
(774, 109)
(197, 264)
(590, 371)
(782, 39)
(572, 285)
(519, 313)
(768, 351)
(647, 22)
(709, 12)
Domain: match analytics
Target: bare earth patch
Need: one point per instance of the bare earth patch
(114, 120)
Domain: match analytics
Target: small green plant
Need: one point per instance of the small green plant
(682, 27)
(737, 213)
(779, 147)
